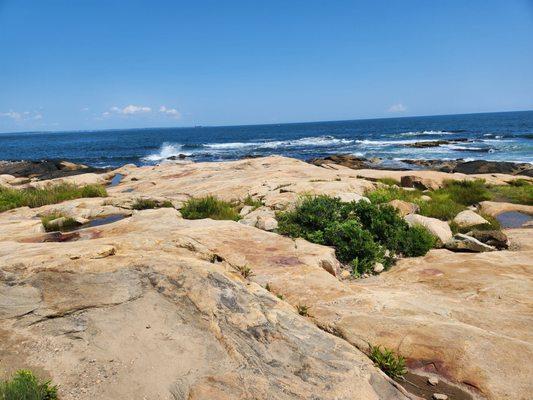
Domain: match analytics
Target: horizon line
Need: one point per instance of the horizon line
(256, 124)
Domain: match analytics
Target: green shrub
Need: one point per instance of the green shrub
(26, 386)
(387, 361)
(13, 198)
(68, 222)
(384, 195)
(354, 244)
(147, 204)
(359, 231)
(209, 207)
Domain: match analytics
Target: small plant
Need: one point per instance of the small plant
(388, 361)
(386, 194)
(147, 204)
(26, 386)
(267, 287)
(389, 181)
(66, 224)
(280, 296)
(250, 201)
(209, 207)
(303, 310)
(30, 197)
(245, 271)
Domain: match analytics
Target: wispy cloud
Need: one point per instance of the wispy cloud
(171, 112)
(129, 110)
(22, 115)
(397, 108)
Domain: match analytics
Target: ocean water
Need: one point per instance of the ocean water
(492, 136)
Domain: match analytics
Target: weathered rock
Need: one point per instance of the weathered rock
(439, 396)
(433, 381)
(246, 210)
(468, 218)
(266, 223)
(440, 229)
(494, 238)
(404, 207)
(416, 182)
(378, 267)
(461, 242)
(45, 169)
(494, 208)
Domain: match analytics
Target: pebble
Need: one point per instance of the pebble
(433, 381)
(439, 396)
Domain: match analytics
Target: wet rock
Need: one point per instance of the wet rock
(461, 242)
(493, 238)
(440, 229)
(469, 218)
(346, 160)
(45, 169)
(404, 207)
(435, 143)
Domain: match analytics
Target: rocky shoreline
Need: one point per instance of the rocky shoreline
(148, 304)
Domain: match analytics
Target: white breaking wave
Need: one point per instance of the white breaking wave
(167, 150)
(390, 142)
(274, 144)
(418, 133)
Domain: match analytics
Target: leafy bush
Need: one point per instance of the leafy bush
(387, 361)
(68, 222)
(209, 207)
(26, 386)
(146, 204)
(359, 231)
(13, 198)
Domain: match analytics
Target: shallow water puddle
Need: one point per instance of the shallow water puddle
(513, 219)
(419, 385)
(109, 219)
(116, 180)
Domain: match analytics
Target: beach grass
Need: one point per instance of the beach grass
(30, 197)
(209, 207)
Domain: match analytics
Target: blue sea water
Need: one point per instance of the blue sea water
(493, 136)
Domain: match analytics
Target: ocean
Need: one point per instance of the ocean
(491, 136)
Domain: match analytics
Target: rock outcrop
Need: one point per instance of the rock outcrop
(156, 306)
(468, 218)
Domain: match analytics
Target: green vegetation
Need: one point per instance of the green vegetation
(26, 386)
(519, 191)
(67, 224)
(303, 310)
(146, 204)
(441, 206)
(386, 194)
(360, 232)
(209, 207)
(389, 362)
(250, 201)
(493, 224)
(13, 198)
(389, 181)
(244, 270)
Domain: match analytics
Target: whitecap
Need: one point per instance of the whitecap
(166, 150)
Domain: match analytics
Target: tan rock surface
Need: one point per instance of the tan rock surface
(154, 306)
(494, 208)
(469, 218)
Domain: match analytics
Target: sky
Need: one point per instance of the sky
(79, 65)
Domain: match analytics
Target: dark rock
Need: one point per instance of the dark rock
(436, 143)
(411, 181)
(178, 157)
(347, 160)
(494, 238)
(475, 167)
(45, 169)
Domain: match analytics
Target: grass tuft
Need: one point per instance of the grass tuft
(14, 198)
(245, 271)
(389, 181)
(250, 201)
(303, 310)
(147, 204)
(67, 224)
(26, 386)
(387, 361)
(209, 207)
(386, 194)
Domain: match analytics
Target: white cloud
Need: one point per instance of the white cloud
(128, 110)
(171, 112)
(21, 116)
(397, 108)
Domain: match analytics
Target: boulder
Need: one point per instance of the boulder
(263, 218)
(266, 223)
(493, 238)
(404, 207)
(246, 210)
(461, 242)
(440, 229)
(468, 218)
(416, 182)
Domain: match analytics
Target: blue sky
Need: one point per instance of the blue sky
(119, 64)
